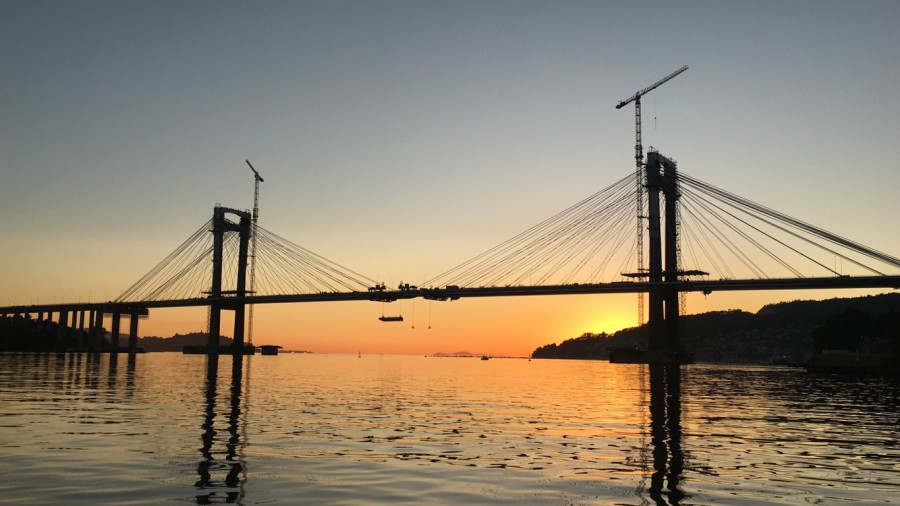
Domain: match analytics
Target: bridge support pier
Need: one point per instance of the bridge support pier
(238, 341)
(215, 329)
(96, 327)
(114, 333)
(62, 327)
(80, 331)
(132, 332)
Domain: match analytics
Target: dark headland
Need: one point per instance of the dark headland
(786, 332)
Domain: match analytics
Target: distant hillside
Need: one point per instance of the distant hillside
(177, 342)
(782, 330)
(19, 334)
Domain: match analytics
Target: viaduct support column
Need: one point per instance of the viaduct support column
(114, 333)
(96, 328)
(91, 325)
(132, 332)
(81, 344)
(62, 327)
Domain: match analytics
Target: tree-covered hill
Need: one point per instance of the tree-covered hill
(784, 330)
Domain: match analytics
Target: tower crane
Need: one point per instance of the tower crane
(639, 173)
(256, 180)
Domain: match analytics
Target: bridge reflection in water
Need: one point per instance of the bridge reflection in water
(100, 429)
(665, 433)
(222, 471)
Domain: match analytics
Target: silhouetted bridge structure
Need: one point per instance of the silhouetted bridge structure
(694, 228)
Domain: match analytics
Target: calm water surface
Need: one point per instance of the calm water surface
(317, 429)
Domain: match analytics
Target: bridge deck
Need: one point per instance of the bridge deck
(454, 293)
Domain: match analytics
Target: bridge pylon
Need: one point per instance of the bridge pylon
(664, 339)
(219, 298)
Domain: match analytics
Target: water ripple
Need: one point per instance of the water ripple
(393, 430)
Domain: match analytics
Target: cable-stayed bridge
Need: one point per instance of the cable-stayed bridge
(701, 239)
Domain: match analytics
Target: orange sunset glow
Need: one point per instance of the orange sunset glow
(402, 142)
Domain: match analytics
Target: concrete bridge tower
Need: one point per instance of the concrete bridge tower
(219, 298)
(663, 322)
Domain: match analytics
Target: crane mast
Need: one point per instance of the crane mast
(256, 180)
(639, 174)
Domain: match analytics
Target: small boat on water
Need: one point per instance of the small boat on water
(192, 349)
(398, 318)
(485, 357)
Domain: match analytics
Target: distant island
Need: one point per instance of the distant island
(177, 342)
(458, 354)
(783, 332)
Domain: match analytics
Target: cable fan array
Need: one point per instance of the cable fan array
(589, 242)
(735, 238)
(720, 232)
(282, 268)
(183, 274)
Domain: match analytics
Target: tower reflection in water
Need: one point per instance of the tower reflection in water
(665, 434)
(223, 478)
(222, 470)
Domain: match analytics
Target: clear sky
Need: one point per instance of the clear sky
(400, 138)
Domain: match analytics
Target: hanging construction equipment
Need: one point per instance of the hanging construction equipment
(398, 318)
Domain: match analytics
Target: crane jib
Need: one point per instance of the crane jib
(637, 96)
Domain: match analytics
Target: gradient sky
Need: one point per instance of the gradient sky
(400, 138)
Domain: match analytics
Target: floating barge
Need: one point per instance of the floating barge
(269, 349)
(248, 349)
